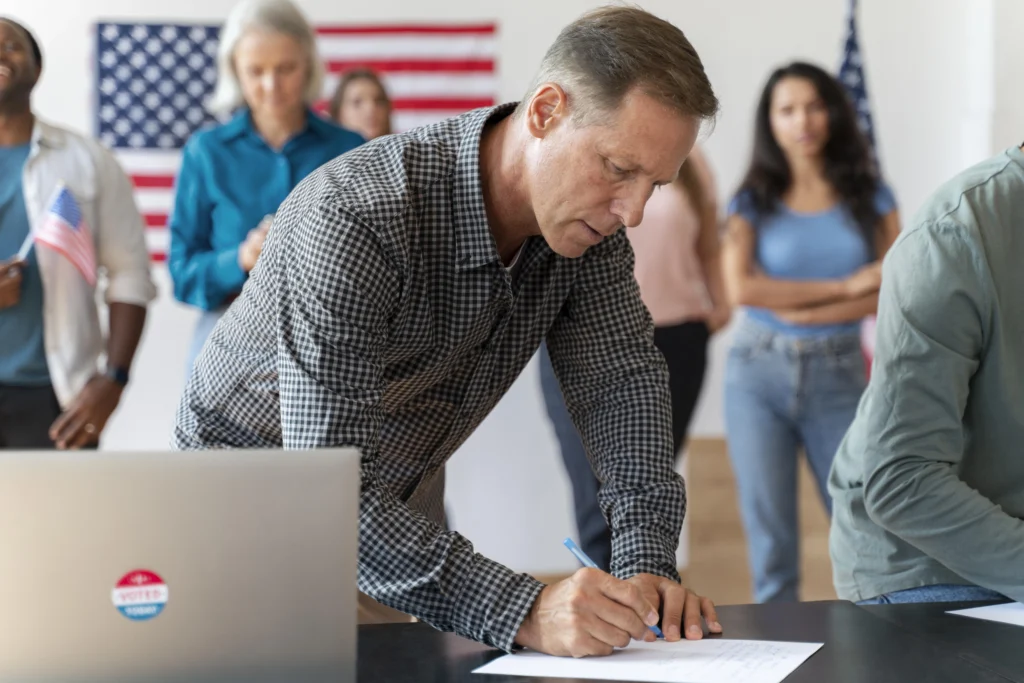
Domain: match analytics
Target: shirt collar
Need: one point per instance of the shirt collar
(240, 125)
(45, 135)
(474, 244)
(1016, 154)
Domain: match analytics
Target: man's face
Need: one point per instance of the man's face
(587, 182)
(18, 68)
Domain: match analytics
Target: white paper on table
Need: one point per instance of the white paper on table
(711, 660)
(1009, 613)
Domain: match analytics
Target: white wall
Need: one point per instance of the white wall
(1008, 120)
(507, 489)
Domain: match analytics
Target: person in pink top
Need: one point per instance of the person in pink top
(677, 270)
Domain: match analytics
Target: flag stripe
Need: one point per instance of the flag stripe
(158, 240)
(403, 85)
(388, 66)
(156, 201)
(414, 104)
(404, 47)
(441, 103)
(71, 248)
(427, 29)
(149, 162)
(72, 253)
(148, 181)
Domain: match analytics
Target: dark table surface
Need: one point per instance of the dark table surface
(860, 647)
(997, 647)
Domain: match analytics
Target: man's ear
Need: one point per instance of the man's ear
(548, 108)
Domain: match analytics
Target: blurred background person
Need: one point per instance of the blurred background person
(70, 193)
(677, 268)
(234, 176)
(806, 233)
(361, 103)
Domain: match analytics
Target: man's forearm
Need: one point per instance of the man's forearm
(834, 313)
(126, 324)
(924, 503)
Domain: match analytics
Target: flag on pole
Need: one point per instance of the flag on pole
(851, 75)
(153, 81)
(63, 229)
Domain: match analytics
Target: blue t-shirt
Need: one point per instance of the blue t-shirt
(824, 245)
(229, 180)
(22, 353)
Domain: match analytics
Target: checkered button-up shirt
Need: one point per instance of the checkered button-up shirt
(380, 317)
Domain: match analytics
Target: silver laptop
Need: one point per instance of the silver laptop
(209, 566)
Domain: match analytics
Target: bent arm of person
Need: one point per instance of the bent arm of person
(124, 257)
(935, 309)
(833, 314)
(746, 285)
(203, 276)
(341, 290)
(857, 308)
(615, 383)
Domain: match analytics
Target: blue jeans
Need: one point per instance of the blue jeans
(938, 593)
(783, 392)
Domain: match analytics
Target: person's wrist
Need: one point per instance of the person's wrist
(526, 636)
(117, 375)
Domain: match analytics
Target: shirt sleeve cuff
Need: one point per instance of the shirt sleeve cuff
(493, 603)
(643, 551)
(656, 569)
(131, 288)
(228, 272)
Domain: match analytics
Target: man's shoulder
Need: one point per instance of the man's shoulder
(385, 178)
(75, 155)
(964, 204)
(58, 137)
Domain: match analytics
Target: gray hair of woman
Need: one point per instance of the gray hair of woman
(275, 16)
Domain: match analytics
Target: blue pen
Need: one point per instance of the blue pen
(587, 562)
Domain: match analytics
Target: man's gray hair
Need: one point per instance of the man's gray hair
(276, 16)
(599, 58)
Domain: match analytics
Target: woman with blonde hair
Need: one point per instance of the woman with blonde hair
(234, 175)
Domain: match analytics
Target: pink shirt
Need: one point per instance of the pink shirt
(668, 269)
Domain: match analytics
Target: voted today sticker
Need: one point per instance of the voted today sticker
(140, 595)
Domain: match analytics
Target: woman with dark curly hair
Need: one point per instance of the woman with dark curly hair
(806, 233)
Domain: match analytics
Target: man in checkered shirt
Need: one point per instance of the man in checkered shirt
(405, 285)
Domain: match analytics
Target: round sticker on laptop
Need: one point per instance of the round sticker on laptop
(140, 595)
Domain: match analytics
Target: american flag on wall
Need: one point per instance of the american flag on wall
(152, 81)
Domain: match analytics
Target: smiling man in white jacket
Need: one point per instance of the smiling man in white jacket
(61, 376)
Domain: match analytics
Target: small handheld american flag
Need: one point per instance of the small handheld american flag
(63, 229)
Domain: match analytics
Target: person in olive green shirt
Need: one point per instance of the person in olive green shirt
(928, 485)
